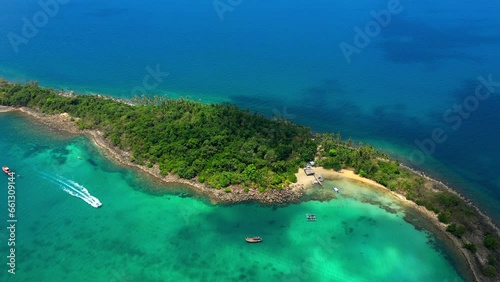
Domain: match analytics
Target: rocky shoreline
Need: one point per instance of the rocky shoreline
(292, 194)
(473, 259)
(456, 193)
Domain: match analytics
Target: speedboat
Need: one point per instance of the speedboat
(253, 239)
(6, 169)
(93, 201)
(97, 204)
(336, 189)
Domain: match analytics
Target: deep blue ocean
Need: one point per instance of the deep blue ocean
(411, 77)
(419, 80)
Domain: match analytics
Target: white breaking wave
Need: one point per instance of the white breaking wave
(74, 189)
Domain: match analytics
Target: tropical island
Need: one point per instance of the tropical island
(232, 155)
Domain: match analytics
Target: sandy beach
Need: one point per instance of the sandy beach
(330, 174)
(430, 216)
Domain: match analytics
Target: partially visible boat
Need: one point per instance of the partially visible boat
(93, 201)
(310, 217)
(6, 169)
(73, 188)
(253, 239)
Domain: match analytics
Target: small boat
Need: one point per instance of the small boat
(310, 217)
(253, 239)
(6, 169)
(336, 189)
(95, 202)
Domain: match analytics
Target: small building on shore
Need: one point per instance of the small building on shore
(309, 171)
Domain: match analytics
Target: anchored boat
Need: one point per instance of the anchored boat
(253, 239)
(6, 169)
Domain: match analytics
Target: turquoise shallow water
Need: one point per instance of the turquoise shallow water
(274, 58)
(151, 232)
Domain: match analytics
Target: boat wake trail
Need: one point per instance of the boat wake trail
(73, 188)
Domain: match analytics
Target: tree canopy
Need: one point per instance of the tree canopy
(220, 144)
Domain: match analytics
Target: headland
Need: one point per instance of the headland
(472, 232)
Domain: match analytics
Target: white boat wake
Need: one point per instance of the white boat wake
(73, 188)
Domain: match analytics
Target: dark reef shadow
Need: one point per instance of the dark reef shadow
(408, 41)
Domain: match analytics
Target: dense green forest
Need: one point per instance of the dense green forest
(222, 145)
(218, 143)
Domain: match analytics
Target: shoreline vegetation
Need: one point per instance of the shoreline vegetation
(231, 155)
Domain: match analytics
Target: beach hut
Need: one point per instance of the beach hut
(309, 171)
